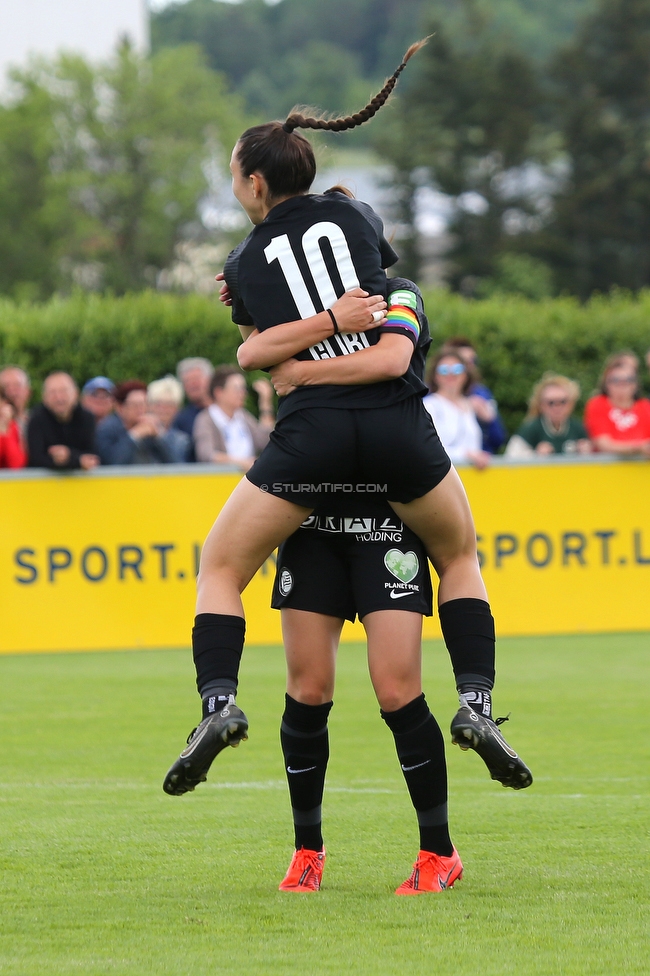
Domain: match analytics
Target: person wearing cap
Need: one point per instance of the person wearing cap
(97, 396)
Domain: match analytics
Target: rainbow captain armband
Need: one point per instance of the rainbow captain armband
(401, 313)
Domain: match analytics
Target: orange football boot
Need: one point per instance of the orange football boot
(432, 872)
(305, 871)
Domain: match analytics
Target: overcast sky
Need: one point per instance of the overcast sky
(159, 4)
(91, 27)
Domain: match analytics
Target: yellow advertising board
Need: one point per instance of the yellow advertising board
(108, 560)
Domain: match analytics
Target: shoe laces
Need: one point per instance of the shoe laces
(504, 718)
(305, 858)
(424, 858)
(305, 862)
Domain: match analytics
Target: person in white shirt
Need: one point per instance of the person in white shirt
(449, 380)
(224, 432)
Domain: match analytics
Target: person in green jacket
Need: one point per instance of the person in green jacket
(550, 427)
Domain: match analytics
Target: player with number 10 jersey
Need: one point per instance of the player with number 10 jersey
(360, 421)
(304, 248)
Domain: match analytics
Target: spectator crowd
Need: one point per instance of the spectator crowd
(197, 415)
(466, 415)
(200, 415)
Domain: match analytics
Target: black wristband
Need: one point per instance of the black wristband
(334, 322)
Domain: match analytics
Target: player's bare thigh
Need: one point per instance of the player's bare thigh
(443, 520)
(250, 526)
(311, 641)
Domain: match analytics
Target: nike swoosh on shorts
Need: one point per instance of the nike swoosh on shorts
(396, 596)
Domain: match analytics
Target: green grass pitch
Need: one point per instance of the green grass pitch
(101, 873)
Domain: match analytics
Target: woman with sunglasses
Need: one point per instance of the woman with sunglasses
(481, 397)
(450, 380)
(617, 419)
(550, 427)
(352, 413)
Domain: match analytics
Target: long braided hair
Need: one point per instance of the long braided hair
(297, 121)
(285, 158)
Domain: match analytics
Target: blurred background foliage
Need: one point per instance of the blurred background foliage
(529, 119)
(101, 168)
(363, 38)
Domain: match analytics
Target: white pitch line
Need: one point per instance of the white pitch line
(281, 785)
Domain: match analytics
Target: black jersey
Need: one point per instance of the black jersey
(304, 255)
(395, 446)
(368, 517)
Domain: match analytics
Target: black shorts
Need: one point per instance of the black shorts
(391, 453)
(355, 565)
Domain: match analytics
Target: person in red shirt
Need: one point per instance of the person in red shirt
(12, 454)
(617, 420)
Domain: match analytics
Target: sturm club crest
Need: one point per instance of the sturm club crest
(286, 582)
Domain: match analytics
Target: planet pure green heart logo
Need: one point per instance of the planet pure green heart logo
(403, 565)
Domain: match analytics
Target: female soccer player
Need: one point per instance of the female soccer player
(302, 253)
(332, 568)
(354, 555)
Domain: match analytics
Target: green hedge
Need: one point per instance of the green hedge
(144, 335)
(518, 340)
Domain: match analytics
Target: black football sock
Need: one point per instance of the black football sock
(468, 629)
(305, 745)
(217, 645)
(421, 752)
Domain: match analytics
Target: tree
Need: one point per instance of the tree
(123, 147)
(600, 235)
(321, 74)
(250, 41)
(464, 122)
(33, 209)
(296, 51)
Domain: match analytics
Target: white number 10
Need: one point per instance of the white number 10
(280, 250)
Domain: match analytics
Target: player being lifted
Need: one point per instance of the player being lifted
(358, 419)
